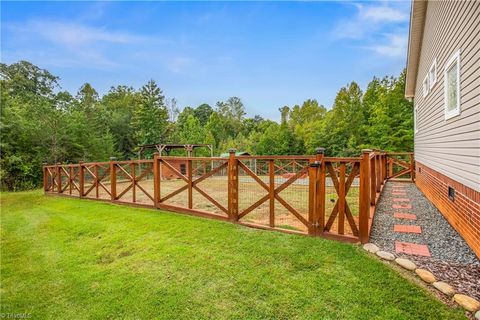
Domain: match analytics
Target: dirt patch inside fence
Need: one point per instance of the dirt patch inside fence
(250, 192)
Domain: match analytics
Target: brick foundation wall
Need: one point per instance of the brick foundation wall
(463, 212)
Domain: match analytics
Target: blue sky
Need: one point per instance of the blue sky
(269, 54)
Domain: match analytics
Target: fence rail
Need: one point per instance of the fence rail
(330, 197)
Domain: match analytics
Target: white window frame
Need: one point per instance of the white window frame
(415, 119)
(454, 59)
(425, 86)
(434, 68)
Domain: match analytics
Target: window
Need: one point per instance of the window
(432, 74)
(415, 119)
(425, 86)
(452, 86)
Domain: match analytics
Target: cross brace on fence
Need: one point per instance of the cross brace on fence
(352, 185)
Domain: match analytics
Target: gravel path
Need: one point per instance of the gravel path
(452, 260)
(443, 241)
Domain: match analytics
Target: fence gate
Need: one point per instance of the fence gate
(273, 191)
(401, 165)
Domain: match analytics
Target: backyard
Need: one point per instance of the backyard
(74, 258)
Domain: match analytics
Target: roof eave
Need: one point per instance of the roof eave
(417, 23)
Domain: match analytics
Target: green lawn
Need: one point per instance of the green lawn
(79, 259)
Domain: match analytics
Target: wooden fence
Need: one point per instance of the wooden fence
(314, 195)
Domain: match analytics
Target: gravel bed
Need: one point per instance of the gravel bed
(443, 241)
(464, 278)
(452, 259)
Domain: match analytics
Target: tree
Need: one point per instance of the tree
(285, 112)
(87, 98)
(278, 140)
(172, 109)
(231, 114)
(391, 123)
(216, 127)
(150, 118)
(341, 132)
(310, 111)
(191, 131)
(252, 125)
(306, 120)
(28, 118)
(40, 122)
(202, 113)
(119, 105)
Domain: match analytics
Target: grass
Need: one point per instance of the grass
(71, 259)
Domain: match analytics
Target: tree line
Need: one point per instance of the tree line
(41, 123)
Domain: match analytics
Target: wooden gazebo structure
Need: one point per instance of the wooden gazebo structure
(165, 148)
(179, 164)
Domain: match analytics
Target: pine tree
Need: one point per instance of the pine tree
(150, 118)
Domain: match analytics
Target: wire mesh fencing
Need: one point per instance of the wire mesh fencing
(317, 195)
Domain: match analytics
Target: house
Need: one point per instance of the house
(443, 79)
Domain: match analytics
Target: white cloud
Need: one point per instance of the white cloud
(395, 46)
(381, 14)
(179, 64)
(369, 19)
(74, 34)
(381, 28)
(71, 44)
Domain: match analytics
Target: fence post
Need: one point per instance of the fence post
(380, 167)
(390, 167)
(95, 172)
(156, 179)
(373, 180)
(320, 195)
(190, 183)
(232, 186)
(134, 181)
(312, 191)
(59, 178)
(70, 175)
(364, 196)
(412, 167)
(316, 176)
(45, 177)
(113, 179)
(378, 170)
(81, 179)
(342, 198)
(383, 162)
(271, 186)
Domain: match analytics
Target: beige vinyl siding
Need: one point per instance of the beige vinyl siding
(451, 146)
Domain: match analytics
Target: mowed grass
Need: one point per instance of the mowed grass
(67, 258)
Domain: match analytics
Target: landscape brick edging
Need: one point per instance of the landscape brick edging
(463, 212)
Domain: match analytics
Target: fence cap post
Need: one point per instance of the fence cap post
(319, 150)
(232, 150)
(366, 150)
